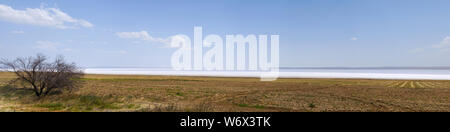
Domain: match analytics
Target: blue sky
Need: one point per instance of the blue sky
(313, 33)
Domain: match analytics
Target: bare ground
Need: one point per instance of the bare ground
(166, 93)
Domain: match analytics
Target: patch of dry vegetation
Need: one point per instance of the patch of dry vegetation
(204, 94)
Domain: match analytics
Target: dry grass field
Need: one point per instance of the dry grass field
(208, 94)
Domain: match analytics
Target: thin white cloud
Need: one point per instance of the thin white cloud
(136, 42)
(445, 43)
(67, 50)
(354, 38)
(123, 52)
(143, 36)
(98, 42)
(417, 50)
(49, 17)
(17, 32)
(47, 45)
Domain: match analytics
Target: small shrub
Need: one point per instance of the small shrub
(162, 108)
(179, 94)
(204, 107)
(52, 106)
(259, 106)
(243, 105)
(90, 102)
(312, 105)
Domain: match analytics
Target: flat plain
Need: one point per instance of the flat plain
(130, 93)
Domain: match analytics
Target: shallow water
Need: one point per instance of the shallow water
(363, 73)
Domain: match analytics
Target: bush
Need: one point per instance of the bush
(44, 77)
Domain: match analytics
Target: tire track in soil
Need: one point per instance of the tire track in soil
(373, 102)
(420, 85)
(231, 96)
(379, 104)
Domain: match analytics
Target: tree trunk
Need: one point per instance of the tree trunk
(36, 90)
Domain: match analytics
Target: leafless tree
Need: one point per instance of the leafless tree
(45, 77)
